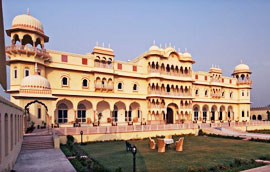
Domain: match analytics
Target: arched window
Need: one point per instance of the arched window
(196, 113)
(197, 92)
(168, 88)
(85, 83)
(253, 117)
(135, 87)
(260, 117)
(62, 113)
(243, 93)
(120, 86)
(204, 113)
(81, 113)
(64, 81)
(243, 113)
(206, 93)
(26, 72)
(223, 94)
(115, 113)
(15, 73)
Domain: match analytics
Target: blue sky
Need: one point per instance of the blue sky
(214, 32)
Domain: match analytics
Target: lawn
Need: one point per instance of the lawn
(199, 151)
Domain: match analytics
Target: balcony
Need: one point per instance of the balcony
(171, 73)
(216, 95)
(28, 50)
(215, 80)
(103, 87)
(158, 92)
(103, 65)
(244, 82)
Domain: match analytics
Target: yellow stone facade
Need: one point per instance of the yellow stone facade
(260, 113)
(157, 87)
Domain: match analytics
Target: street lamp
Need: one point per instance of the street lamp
(81, 137)
(134, 151)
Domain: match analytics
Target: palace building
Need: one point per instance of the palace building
(158, 87)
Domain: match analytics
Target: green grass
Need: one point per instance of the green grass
(198, 152)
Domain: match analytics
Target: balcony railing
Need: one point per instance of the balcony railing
(216, 95)
(103, 86)
(158, 92)
(242, 82)
(103, 65)
(171, 73)
(25, 49)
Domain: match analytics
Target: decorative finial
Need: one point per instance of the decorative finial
(103, 44)
(170, 44)
(185, 49)
(241, 61)
(97, 43)
(109, 45)
(154, 42)
(160, 46)
(28, 11)
(36, 68)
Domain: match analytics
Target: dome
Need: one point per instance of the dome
(241, 68)
(187, 55)
(154, 48)
(35, 84)
(28, 22)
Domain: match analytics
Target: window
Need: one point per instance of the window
(120, 86)
(204, 114)
(231, 94)
(26, 72)
(196, 113)
(222, 80)
(196, 76)
(119, 66)
(85, 83)
(243, 113)
(135, 68)
(64, 81)
(62, 113)
(39, 72)
(197, 92)
(168, 89)
(15, 73)
(243, 93)
(81, 113)
(205, 78)
(230, 81)
(84, 61)
(223, 94)
(39, 113)
(205, 93)
(135, 87)
(64, 58)
(247, 113)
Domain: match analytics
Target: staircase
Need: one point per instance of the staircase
(34, 142)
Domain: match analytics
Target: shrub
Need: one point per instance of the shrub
(77, 165)
(66, 151)
(200, 133)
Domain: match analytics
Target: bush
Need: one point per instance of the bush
(66, 151)
(77, 165)
(200, 133)
(70, 142)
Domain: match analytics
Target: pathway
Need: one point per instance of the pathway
(259, 169)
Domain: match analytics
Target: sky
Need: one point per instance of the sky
(222, 32)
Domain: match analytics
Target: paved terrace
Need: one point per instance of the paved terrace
(157, 127)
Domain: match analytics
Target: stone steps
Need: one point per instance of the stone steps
(34, 142)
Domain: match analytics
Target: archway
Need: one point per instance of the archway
(103, 111)
(119, 111)
(230, 113)
(213, 112)
(221, 110)
(259, 117)
(134, 112)
(169, 116)
(85, 112)
(205, 109)
(64, 111)
(253, 117)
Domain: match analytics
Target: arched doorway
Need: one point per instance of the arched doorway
(213, 112)
(253, 117)
(81, 113)
(205, 109)
(260, 117)
(62, 113)
(169, 116)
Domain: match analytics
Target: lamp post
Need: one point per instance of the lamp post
(81, 137)
(134, 151)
